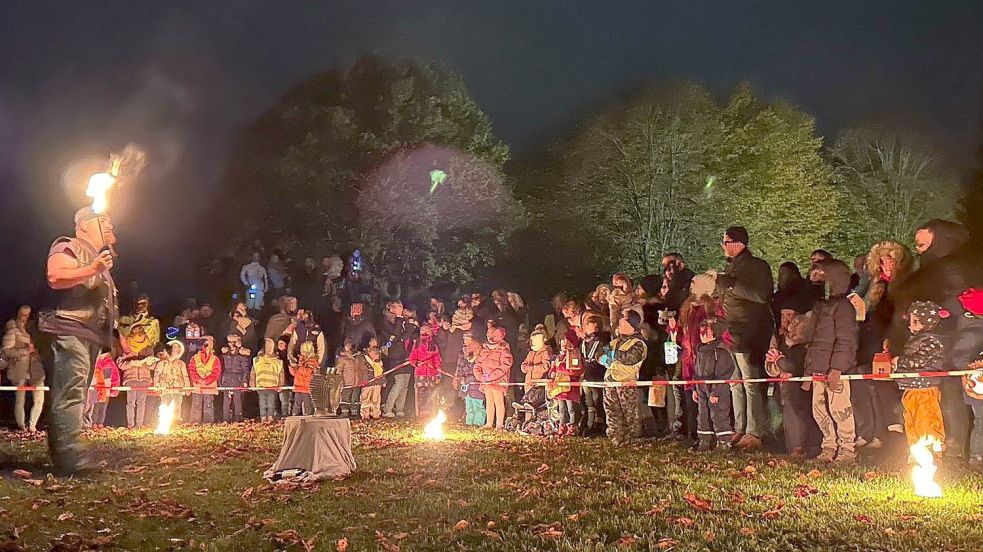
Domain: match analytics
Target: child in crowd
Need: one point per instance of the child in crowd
(105, 376)
(267, 373)
(714, 361)
(565, 371)
(303, 370)
(536, 364)
(474, 397)
(371, 395)
(204, 370)
(924, 352)
(623, 362)
(236, 366)
(171, 377)
(832, 352)
(426, 362)
(346, 365)
(593, 347)
(492, 368)
(786, 359)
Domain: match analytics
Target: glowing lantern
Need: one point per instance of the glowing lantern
(923, 473)
(434, 430)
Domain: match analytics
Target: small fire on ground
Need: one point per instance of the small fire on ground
(165, 417)
(923, 473)
(434, 430)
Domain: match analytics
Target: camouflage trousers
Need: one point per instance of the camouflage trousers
(834, 416)
(621, 411)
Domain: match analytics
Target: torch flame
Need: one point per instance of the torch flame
(99, 185)
(435, 429)
(165, 416)
(923, 473)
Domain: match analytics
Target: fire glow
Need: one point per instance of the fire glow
(434, 430)
(99, 185)
(923, 473)
(165, 417)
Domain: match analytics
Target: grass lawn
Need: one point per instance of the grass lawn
(201, 489)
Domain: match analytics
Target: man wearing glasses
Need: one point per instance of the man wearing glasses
(746, 287)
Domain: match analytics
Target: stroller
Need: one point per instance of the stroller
(534, 415)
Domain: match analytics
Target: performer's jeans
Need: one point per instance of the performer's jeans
(20, 400)
(136, 403)
(74, 361)
(232, 406)
(750, 416)
(267, 403)
(397, 395)
(202, 409)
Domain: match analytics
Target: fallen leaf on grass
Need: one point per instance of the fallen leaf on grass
(543, 469)
(462, 525)
(864, 519)
(698, 503)
(657, 509)
(202, 492)
(750, 471)
(814, 474)
(626, 540)
(779, 463)
(870, 476)
(384, 542)
(579, 515)
(491, 534)
(747, 531)
(551, 533)
(341, 545)
(665, 543)
(400, 536)
(168, 460)
(65, 516)
(684, 521)
(23, 474)
(774, 512)
(35, 482)
(491, 525)
(803, 491)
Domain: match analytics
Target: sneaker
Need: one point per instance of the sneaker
(749, 443)
(388, 415)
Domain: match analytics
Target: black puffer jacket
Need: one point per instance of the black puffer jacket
(746, 288)
(833, 338)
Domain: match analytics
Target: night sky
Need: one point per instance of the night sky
(77, 78)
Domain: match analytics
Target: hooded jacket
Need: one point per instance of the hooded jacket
(833, 338)
(171, 373)
(494, 362)
(535, 366)
(347, 366)
(425, 357)
(267, 371)
(880, 299)
(104, 378)
(235, 367)
(714, 360)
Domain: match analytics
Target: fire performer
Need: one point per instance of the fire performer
(80, 317)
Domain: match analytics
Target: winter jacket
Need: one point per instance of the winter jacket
(449, 343)
(359, 330)
(679, 289)
(347, 368)
(235, 368)
(204, 373)
(629, 354)
(425, 358)
(104, 377)
(567, 367)
(24, 365)
(248, 335)
(924, 352)
(307, 332)
(618, 301)
(746, 287)
(137, 369)
(494, 363)
(715, 361)
(591, 350)
(303, 371)
(466, 374)
(369, 370)
(535, 366)
(267, 372)
(833, 336)
(171, 373)
(393, 333)
(277, 325)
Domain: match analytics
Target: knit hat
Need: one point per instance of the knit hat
(929, 313)
(651, 285)
(737, 234)
(634, 319)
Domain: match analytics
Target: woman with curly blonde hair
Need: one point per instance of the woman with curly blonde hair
(877, 404)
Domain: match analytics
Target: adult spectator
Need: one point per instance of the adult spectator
(276, 271)
(253, 275)
(942, 275)
(483, 311)
(308, 285)
(794, 292)
(505, 317)
(746, 286)
(674, 268)
(307, 330)
(243, 326)
(357, 327)
(23, 368)
(859, 274)
(622, 298)
(877, 404)
(142, 317)
(555, 317)
(816, 284)
(209, 321)
(393, 334)
(279, 324)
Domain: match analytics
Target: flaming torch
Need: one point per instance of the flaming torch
(434, 431)
(923, 473)
(165, 416)
(123, 166)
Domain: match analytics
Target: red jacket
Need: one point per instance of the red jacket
(568, 367)
(204, 372)
(493, 365)
(425, 358)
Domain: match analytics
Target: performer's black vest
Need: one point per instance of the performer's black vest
(91, 305)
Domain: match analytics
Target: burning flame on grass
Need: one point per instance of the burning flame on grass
(435, 429)
(923, 473)
(165, 417)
